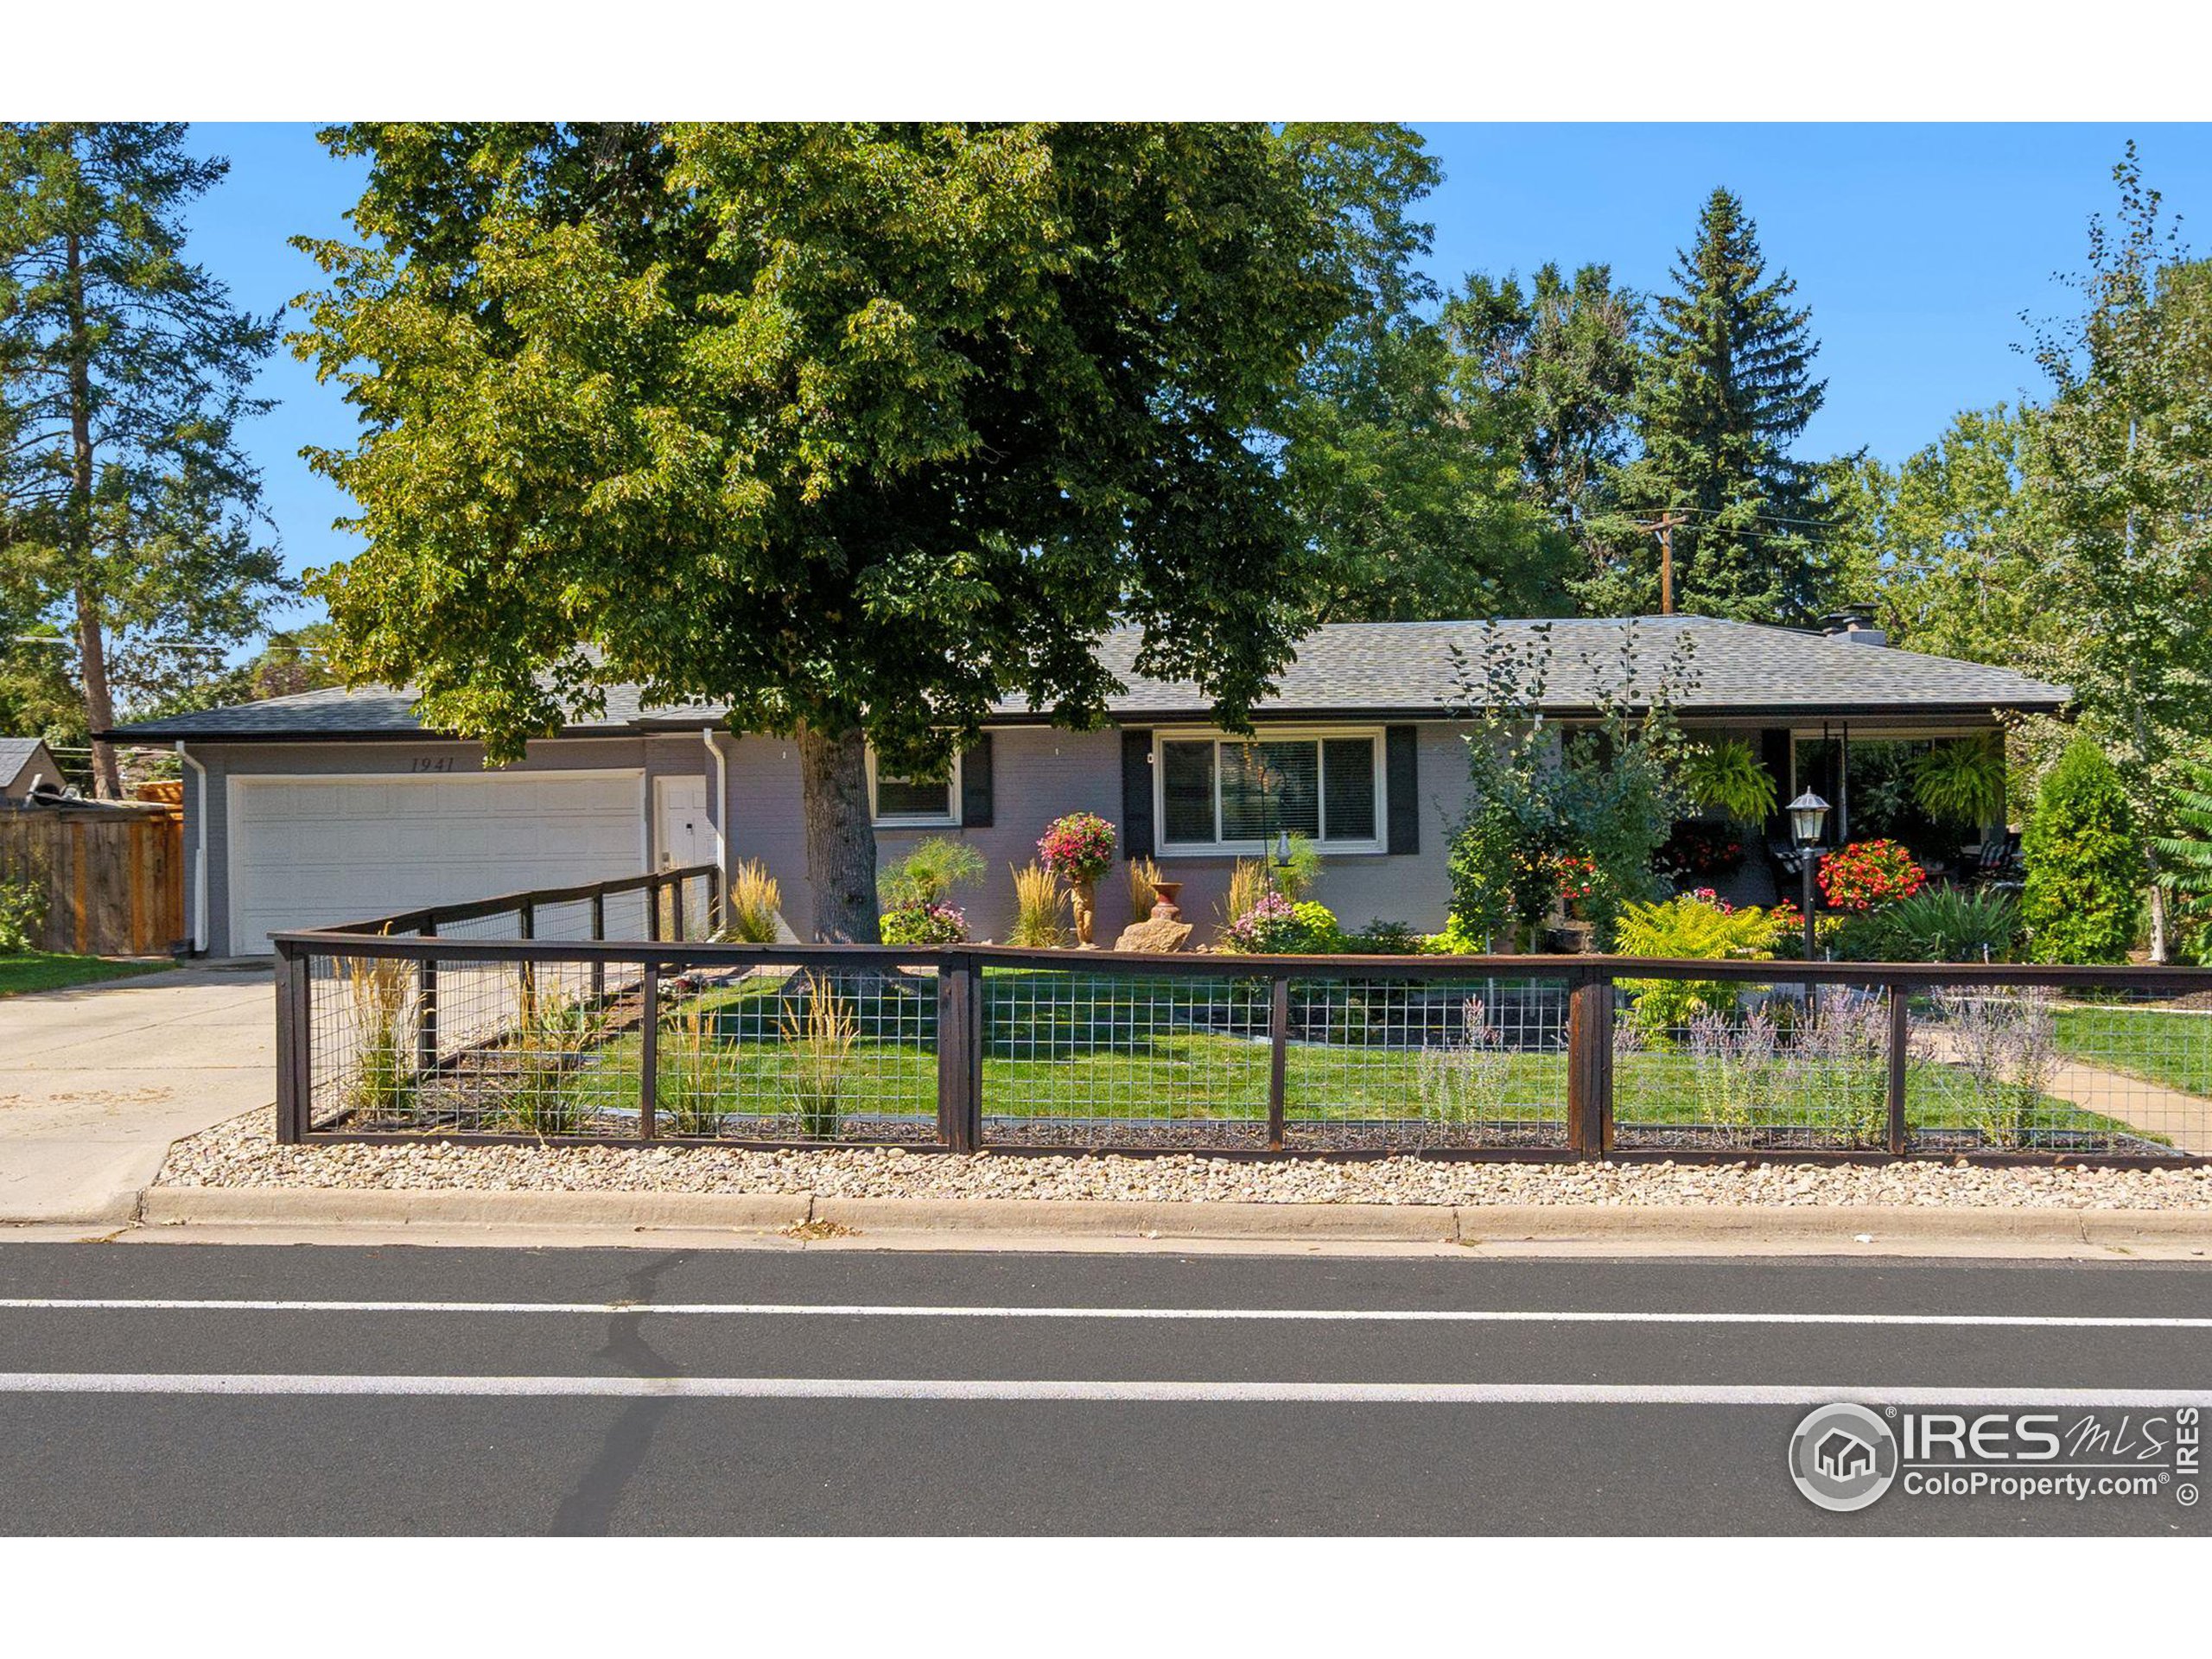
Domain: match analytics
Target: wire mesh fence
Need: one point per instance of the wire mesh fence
(1090, 1058)
(552, 1020)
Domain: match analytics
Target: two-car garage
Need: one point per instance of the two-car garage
(305, 851)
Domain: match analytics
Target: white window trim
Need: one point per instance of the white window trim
(949, 820)
(1218, 847)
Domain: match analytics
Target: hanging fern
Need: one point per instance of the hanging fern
(1729, 775)
(1963, 782)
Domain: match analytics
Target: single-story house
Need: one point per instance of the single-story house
(25, 763)
(336, 805)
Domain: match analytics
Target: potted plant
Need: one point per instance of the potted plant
(1079, 849)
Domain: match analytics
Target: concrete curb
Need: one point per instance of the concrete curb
(1290, 1224)
(256, 1206)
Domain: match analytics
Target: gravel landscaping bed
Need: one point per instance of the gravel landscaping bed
(242, 1153)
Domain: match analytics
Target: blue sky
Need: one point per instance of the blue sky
(1917, 247)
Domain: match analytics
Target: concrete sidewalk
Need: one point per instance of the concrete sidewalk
(96, 1081)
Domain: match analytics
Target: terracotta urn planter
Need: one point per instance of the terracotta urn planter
(1165, 905)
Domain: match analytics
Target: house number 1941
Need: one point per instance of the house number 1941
(433, 763)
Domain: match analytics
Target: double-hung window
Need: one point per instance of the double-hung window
(913, 803)
(1219, 794)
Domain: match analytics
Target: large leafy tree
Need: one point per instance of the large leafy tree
(2120, 462)
(1944, 547)
(130, 508)
(1726, 392)
(858, 429)
(1557, 362)
(1401, 471)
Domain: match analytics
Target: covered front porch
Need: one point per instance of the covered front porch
(1914, 782)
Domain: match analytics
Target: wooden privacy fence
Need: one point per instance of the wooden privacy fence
(113, 875)
(602, 1015)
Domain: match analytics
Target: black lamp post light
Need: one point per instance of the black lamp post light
(1807, 815)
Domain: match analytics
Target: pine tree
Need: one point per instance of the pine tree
(1726, 389)
(129, 504)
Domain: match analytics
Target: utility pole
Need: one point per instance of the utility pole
(1665, 525)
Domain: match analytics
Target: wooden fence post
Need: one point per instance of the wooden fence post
(426, 1005)
(1278, 1057)
(648, 1047)
(1900, 1054)
(526, 971)
(1589, 1064)
(295, 1102)
(959, 1066)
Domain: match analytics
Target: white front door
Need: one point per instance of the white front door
(681, 834)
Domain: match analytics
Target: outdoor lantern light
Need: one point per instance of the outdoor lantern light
(1807, 814)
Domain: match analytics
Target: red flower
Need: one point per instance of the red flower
(1869, 873)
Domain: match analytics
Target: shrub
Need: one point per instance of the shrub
(1248, 885)
(1869, 873)
(820, 1043)
(1275, 927)
(22, 916)
(1037, 901)
(930, 924)
(381, 1002)
(1078, 848)
(697, 1072)
(1382, 938)
(930, 872)
(1456, 940)
(1694, 847)
(755, 901)
(1699, 927)
(1935, 924)
(2086, 868)
(1962, 783)
(1730, 776)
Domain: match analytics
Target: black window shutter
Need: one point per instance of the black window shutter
(1136, 795)
(976, 783)
(1402, 775)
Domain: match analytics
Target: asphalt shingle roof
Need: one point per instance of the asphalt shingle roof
(1355, 668)
(15, 754)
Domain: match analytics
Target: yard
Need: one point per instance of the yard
(41, 970)
(1079, 1059)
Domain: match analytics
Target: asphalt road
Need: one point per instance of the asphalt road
(731, 1391)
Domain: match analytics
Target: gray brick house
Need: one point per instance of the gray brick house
(337, 804)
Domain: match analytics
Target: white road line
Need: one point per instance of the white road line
(957, 1310)
(838, 1387)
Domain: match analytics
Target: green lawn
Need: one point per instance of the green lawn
(40, 970)
(2166, 1045)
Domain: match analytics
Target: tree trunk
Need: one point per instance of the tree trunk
(92, 645)
(840, 835)
(2158, 910)
(99, 706)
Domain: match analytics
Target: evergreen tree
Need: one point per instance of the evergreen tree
(2084, 854)
(129, 504)
(1726, 388)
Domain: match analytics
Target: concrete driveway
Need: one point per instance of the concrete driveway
(96, 1081)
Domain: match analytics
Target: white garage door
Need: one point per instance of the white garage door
(307, 852)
